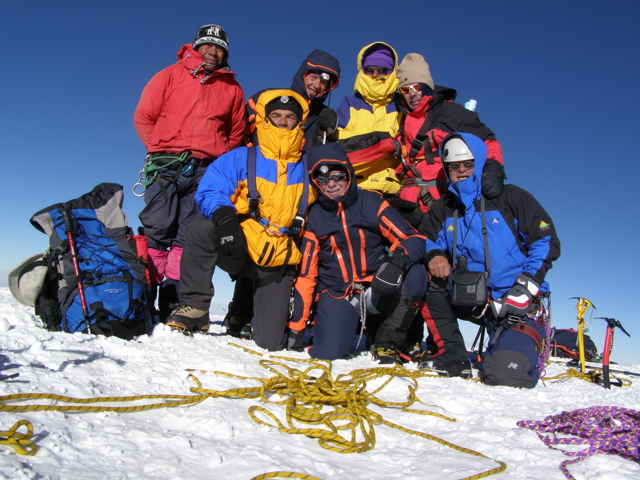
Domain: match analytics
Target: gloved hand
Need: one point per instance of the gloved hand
(517, 301)
(326, 126)
(389, 276)
(229, 240)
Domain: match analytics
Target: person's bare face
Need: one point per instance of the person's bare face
(212, 55)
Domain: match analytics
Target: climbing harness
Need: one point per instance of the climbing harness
(181, 163)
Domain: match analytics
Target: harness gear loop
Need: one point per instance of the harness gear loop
(155, 162)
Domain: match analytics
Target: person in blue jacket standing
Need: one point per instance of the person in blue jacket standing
(479, 210)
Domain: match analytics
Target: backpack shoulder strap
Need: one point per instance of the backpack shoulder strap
(254, 196)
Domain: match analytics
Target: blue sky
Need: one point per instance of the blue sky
(556, 81)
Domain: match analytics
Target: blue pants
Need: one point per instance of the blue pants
(336, 320)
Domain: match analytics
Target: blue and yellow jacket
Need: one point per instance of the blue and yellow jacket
(368, 120)
(280, 177)
(346, 238)
(522, 237)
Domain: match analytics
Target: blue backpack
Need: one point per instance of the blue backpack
(96, 279)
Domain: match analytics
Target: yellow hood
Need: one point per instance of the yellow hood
(277, 143)
(376, 90)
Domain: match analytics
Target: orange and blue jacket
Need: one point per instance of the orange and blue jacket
(181, 109)
(346, 238)
(368, 120)
(280, 177)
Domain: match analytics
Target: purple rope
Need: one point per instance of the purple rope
(609, 430)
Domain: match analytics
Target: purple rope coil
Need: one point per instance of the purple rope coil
(609, 430)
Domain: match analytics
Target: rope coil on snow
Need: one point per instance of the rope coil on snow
(609, 430)
(336, 409)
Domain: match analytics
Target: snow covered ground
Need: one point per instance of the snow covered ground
(218, 439)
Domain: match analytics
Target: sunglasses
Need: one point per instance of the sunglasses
(380, 70)
(336, 177)
(468, 165)
(411, 88)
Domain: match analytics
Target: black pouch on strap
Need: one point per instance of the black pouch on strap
(469, 288)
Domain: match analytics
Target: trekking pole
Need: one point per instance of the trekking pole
(68, 228)
(608, 346)
(582, 307)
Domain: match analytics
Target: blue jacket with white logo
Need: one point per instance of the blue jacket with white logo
(521, 234)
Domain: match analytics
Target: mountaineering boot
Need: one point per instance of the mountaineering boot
(413, 352)
(189, 320)
(238, 326)
(393, 331)
(460, 369)
(387, 356)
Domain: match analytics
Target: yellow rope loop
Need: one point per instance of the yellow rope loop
(590, 376)
(169, 401)
(266, 476)
(501, 468)
(20, 442)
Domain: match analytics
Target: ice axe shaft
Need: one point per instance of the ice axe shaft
(582, 307)
(68, 228)
(612, 323)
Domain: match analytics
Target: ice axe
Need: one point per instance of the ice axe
(582, 307)
(68, 228)
(612, 323)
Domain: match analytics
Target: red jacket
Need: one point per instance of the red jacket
(443, 117)
(180, 109)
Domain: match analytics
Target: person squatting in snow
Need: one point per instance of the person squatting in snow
(250, 237)
(348, 234)
(315, 79)
(429, 114)
(482, 225)
(188, 115)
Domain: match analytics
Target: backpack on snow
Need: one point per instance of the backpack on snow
(564, 344)
(104, 289)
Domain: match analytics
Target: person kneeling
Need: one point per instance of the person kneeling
(356, 248)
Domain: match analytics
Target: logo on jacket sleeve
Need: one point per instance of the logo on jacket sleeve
(450, 229)
(544, 225)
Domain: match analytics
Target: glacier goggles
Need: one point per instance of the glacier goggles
(336, 177)
(381, 70)
(415, 87)
(468, 165)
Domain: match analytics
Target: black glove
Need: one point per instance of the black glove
(229, 240)
(326, 126)
(389, 276)
(517, 301)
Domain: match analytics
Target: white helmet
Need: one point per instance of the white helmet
(455, 150)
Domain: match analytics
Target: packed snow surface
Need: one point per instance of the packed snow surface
(218, 438)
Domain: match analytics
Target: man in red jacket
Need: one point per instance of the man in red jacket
(189, 114)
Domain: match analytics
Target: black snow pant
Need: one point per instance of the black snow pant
(272, 286)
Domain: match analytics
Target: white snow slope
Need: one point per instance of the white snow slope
(218, 439)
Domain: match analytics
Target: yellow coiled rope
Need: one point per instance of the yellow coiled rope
(335, 411)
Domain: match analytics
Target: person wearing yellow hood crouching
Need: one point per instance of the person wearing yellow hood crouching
(253, 203)
(368, 120)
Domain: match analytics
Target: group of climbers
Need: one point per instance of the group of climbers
(409, 187)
